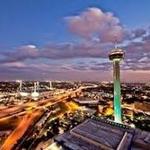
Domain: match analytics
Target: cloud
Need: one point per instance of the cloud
(14, 64)
(137, 56)
(57, 51)
(87, 59)
(144, 59)
(94, 21)
(146, 38)
(138, 33)
(20, 54)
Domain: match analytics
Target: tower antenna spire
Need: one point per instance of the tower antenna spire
(116, 42)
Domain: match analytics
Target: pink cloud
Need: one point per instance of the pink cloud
(93, 22)
(14, 64)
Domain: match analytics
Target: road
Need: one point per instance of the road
(33, 110)
(27, 120)
(135, 110)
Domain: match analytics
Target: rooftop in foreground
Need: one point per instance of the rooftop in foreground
(98, 134)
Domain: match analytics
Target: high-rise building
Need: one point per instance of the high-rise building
(116, 56)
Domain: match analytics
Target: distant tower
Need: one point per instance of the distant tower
(50, 85)
(116, 56)
(23, 94)
(35, 94)
(20, 86)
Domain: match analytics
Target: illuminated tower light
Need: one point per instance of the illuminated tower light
(116, 56)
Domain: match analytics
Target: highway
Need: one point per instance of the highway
(32, 111)
(27, 120)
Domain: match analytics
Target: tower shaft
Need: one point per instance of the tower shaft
(117, 91)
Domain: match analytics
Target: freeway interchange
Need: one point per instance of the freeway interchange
(30, 112)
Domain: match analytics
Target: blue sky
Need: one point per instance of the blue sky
(43, 22)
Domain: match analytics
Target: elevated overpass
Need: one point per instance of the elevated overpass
(30, 114)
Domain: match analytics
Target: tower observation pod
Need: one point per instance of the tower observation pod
(116, 56)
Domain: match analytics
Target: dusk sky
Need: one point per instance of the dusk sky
(71, 39)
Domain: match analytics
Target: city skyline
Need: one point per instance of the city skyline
(55, 40)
